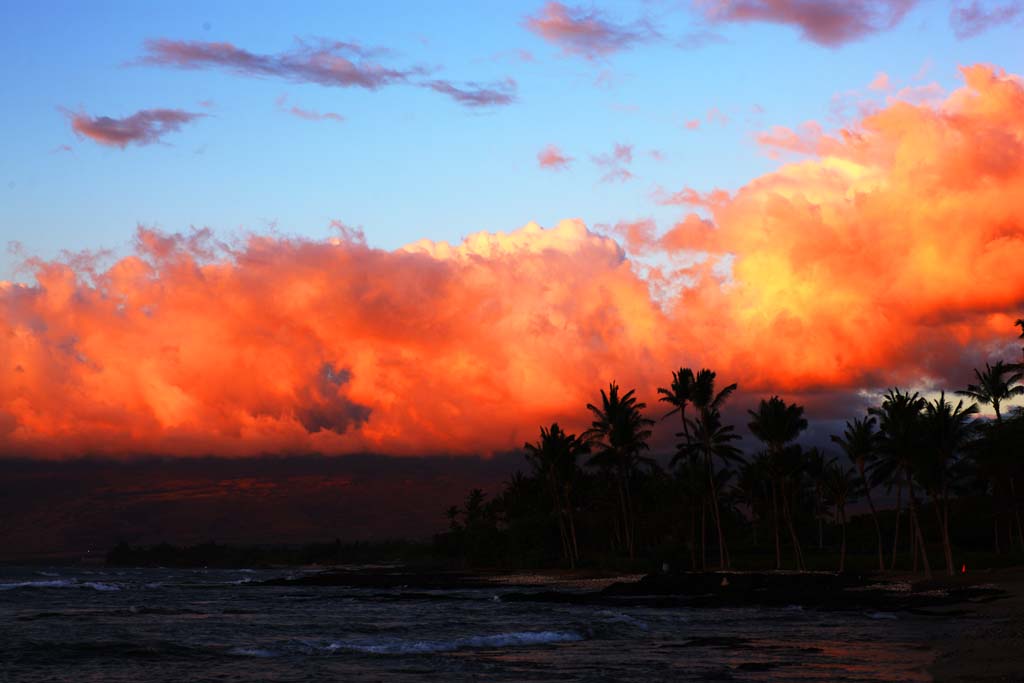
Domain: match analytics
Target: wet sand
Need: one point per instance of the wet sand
(987, 643)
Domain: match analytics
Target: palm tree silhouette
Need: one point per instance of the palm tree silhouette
(839, 483)
(679, 395)
(777, 424)
(712, 440)
(900, 447)
(947, 430)
(996, 383)
(707, 403)
(619, 433)
(859, 442)
(554, 460)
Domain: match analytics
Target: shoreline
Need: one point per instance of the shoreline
(988, 643)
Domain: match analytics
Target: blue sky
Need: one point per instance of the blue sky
(407, 162)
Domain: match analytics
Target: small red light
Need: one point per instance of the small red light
(963, 569)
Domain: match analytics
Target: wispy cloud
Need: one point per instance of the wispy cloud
(587, 33)
(335, 64)
(476, 94)
(307, 114)
(826, 22)
(141, 128)
(616, 164)
(969, 19)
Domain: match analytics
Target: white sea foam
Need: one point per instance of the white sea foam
(57, 583)
(100, 586)
(410, 647)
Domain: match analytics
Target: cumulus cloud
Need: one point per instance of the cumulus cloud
(826, 22)
(972, 18)
(893, 252)
(586, 33)
(141, 128)
(552, 158)
(328, 63)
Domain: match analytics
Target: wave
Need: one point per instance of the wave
(498, 640)
(60, 583)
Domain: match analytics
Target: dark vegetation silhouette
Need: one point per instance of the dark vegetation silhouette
(935, 484)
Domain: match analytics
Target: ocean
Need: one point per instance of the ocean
(155, 625)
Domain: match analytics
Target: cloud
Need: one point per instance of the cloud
(826, 22)
(586, 33)
(891, 253)
(969, 19)
(477, 95)
(616, 164)
(141, 128)
(327, 63)
(879, 82)
(552, 158)
(307, 114)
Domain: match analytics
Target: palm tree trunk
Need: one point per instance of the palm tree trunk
(775, 524)
(693, 536)
(722, 563)
(627, 532)
(917, 529)
(842, 548)
(787, 514)
(896, 533)
(947, 553)
(703, 535)
(874, 515)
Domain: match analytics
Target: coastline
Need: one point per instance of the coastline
(988, 642)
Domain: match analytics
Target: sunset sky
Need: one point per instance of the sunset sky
(422, 228)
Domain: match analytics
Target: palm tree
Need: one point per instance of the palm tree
(679, 395)
(859, 442)
(839, 484)
(708, 403)
(712, 440)
(620, 432)
(777, 424)
(947, 430)
(899, 449)
(996, 383)
(554, 459)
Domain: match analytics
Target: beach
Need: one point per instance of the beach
(987, 643)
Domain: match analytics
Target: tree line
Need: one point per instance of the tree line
(599, 497)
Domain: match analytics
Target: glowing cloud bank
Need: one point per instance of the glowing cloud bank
(893, 252)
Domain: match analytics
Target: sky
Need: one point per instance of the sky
(429, 228)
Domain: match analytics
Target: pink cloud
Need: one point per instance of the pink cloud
(476, 95)
(328, 63)
(973, 18)
(307, 114)
(552, 158)
(879, 82)
(616, 164)
(141, 128)
(781, 139)
(586, 33)
(716, 115)
(826, 22)
(693, 124)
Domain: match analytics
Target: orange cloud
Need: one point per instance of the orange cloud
(893, 253)
(551, 157)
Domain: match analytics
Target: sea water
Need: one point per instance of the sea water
(155, 625)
